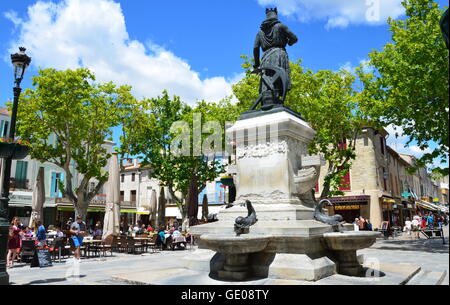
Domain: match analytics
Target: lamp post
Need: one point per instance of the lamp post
(20, 62)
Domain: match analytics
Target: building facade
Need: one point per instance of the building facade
(57, 209)
(379, 187)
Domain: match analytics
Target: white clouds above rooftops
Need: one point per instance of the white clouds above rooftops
(339, 13)
(93, 34)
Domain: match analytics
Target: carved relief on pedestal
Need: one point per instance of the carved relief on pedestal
(261, 150)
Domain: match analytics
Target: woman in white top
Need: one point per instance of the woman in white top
(407, 227)
(356, 224)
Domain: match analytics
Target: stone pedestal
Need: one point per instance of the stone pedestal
(274, 171)
(269, 151)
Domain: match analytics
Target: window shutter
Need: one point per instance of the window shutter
(62, 181)
(53, 184)
(345, 184)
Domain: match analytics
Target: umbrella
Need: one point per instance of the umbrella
(205, 208)
(112, 209)
(161, 209)
(193, 201)
(153, 207)
(38, 198)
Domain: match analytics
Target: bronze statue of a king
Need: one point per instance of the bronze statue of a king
(272, 38)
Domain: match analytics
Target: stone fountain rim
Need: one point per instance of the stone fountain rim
(352, 234)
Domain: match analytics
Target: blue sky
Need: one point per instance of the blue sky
(191, 48)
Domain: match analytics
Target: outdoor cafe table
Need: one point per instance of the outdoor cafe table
(89, 242)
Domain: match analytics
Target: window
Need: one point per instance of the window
(133, 177)
(382, 145)
(366, 139)
(345, 183)
(343, 144)
(54, 189)
(133, 196)
(383, 175)
(122, 196)
(4, 128)
(122, 178)
(21, 175)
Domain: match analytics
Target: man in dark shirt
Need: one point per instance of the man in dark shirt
(78, 230)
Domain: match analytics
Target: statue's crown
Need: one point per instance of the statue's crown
(271, 11)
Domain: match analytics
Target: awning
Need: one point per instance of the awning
(427, 205)
(350, 200)
(143, 213)
(128, 211)
(72, 209)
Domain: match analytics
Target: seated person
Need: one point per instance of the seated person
(59, 233)
(176, 234)
(98, 231)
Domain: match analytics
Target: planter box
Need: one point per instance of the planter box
(14, 151)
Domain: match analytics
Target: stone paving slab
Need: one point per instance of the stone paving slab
(393, 275)
(431, 255)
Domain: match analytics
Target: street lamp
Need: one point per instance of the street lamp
(20, 62)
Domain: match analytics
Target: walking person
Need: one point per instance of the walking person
(430, 221)
(78, 231)
(13, 242)
(415, 226)
(41, 234)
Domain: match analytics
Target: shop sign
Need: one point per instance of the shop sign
(409, 205)
(435, 199)
(346, 207)
(406, 194)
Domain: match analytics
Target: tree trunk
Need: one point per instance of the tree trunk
(81, 206)
(205, 211)
(81, 210)
(192, 202)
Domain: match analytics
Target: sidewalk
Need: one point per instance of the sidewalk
(429, 255)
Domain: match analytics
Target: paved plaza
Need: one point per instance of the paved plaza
(404, 260)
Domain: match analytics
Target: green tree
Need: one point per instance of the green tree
(410, 83)
(69, 107)
(332, 104)
(152, 131)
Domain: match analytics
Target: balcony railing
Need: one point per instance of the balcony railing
(19, 184)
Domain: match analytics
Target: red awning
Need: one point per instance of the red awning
(344, 200)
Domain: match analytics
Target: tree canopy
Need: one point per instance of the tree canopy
(152, 132)
(410, 83)
(66, 119)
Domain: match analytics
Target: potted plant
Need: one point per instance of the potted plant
(16, 150)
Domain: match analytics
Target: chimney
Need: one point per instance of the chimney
(135, 162)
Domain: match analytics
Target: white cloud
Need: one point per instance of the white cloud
(341, 13)
(93, 34)
(349, 67)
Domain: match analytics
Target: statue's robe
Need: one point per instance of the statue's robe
(272, 39)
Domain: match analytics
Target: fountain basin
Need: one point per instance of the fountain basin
(343, 245)
(235, 251)
(231, 244)
(350, 240)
